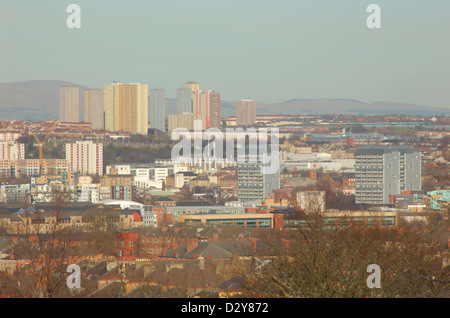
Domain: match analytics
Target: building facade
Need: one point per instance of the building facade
(11, 151)
(126, 108)
(214, 110)
(185, 120)
(253, 184)
(184, 100)
(156, 110)
(245, 112)
(382, 171)
(93, 108)
(31, 167)
(69, 103)
(85, 157)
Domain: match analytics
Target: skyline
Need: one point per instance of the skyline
(262, 50)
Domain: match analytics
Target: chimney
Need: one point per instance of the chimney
(286, 244)
(253, 243)
(201, 263)
(121, 270)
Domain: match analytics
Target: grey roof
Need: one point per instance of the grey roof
(379, 150)
(199, 178)
(214, 249)
(236, 282)
(188, 173)
(5, 245)
(163, 198)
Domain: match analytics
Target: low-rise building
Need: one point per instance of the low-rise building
(257, 220)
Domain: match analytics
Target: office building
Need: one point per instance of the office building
(156, 110)
(253, 184)
(245, 112)
(93, 108)
(382, 171)
(85, 157)
(126, 108)
(69, 103)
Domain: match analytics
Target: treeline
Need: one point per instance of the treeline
(53, 148)
(119, 154)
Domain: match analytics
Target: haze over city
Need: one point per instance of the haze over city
(266, 50)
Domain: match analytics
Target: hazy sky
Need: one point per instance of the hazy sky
(265, 50)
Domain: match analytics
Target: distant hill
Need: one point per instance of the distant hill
(39, 100)
(33, 100)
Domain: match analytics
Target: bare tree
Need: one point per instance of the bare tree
(103, 223)
(42, 248)
(332, 262)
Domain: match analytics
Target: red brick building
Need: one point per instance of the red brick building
(126, 244)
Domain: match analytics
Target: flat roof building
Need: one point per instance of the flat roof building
(382, 171)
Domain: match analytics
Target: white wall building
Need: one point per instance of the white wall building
(15, 151)
(122, 169)
(146, 184)
(85, 157)
(89, 193)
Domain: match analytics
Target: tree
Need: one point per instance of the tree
(324, 262)
(41, 251)
(103, 224)
(43, 245)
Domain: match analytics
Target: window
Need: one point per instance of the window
(264, 222)
(122, 243)
(131, 243)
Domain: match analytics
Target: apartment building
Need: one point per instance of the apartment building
(69, 103)
(245, 112)
(185, 120)
(382, 171)
(31, 167)
(126, 108)
(156, 109)
(184, 102)
(85, 157)
(93, 108)
(11, 151)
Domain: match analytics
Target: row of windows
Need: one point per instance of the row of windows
(384, 221)
(122, 243)
(120, 253)
(264, 222)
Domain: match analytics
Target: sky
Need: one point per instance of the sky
(269, 51)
